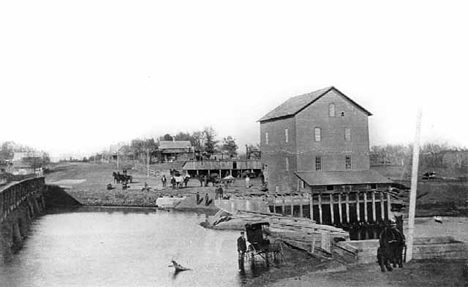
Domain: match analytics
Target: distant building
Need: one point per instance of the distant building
(224, 168)
(175, 150)
(318, 142)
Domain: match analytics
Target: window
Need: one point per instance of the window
(331, 110)
(303, 184)
(347, 134)
(373, 186)
(287, 164)
(286, 135)
(330, 187)
(348, 162)
(266, 138)
(318, 134)
(318, 163)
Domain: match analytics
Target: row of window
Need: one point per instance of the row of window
(317, 135)
(318, 163)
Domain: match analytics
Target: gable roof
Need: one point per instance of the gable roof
(296, 104)
(174, 145)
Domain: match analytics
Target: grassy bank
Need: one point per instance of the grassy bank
(87, 182)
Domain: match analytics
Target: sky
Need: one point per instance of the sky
(78, 76)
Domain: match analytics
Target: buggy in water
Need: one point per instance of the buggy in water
(260, 245)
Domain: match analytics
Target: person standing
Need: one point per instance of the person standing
(241, 249)
(163, 180)
(247, 181)
(198, 197)
(207, 199)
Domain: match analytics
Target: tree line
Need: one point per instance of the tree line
(205, 144)
(431, 155)
(32, 156)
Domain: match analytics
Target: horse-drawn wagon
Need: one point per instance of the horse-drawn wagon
(260, 245)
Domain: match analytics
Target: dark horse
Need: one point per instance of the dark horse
(391, 245)
(206, 179)
(121, 177)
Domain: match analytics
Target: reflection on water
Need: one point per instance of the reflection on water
(125, 247)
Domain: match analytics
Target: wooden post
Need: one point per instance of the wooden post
(274, 202)
(339, 208)
(389, 204)
(382, 209)
(292, 204)
(358, 212)
(414, 187)
(332, 212)
(347, 208)
(320, 207)
(365, 207)
(283, 206)
(373, 207)
(147, 163)
(311, 202)
(301, 211)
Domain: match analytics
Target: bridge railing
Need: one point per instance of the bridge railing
(13, 194)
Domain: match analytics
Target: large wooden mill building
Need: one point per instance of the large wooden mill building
(317, 147)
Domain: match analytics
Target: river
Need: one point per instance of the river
(123, 247)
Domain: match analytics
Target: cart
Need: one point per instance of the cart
(260, 245)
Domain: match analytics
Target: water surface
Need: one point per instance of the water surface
(88, 247)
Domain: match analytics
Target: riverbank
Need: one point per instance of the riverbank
(415, 273)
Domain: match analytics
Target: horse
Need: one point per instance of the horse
(118, 178)
(206, 179)
(391, 246)
(186, 179)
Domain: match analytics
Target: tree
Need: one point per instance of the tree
(210, 142)
(181, 136)
(253, 152)
(167, 137)
(7, 151)
(140, 149)
(229, 146)
(198, 140)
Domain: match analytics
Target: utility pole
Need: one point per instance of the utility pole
(414, 187)
(147, 163)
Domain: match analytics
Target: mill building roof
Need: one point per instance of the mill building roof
(296, 104)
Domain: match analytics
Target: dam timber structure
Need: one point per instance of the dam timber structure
(20, 203)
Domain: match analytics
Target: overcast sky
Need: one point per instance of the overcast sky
(77, 76)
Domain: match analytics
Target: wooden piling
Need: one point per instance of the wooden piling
(283, 205)
(311, 200)
(347, 208)
(365, 207)
(339, 209)
(373, 207)
(292, 204)
(301, 211)
(320, 207)
(389, 204)
(382, 209)
(358, 211)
